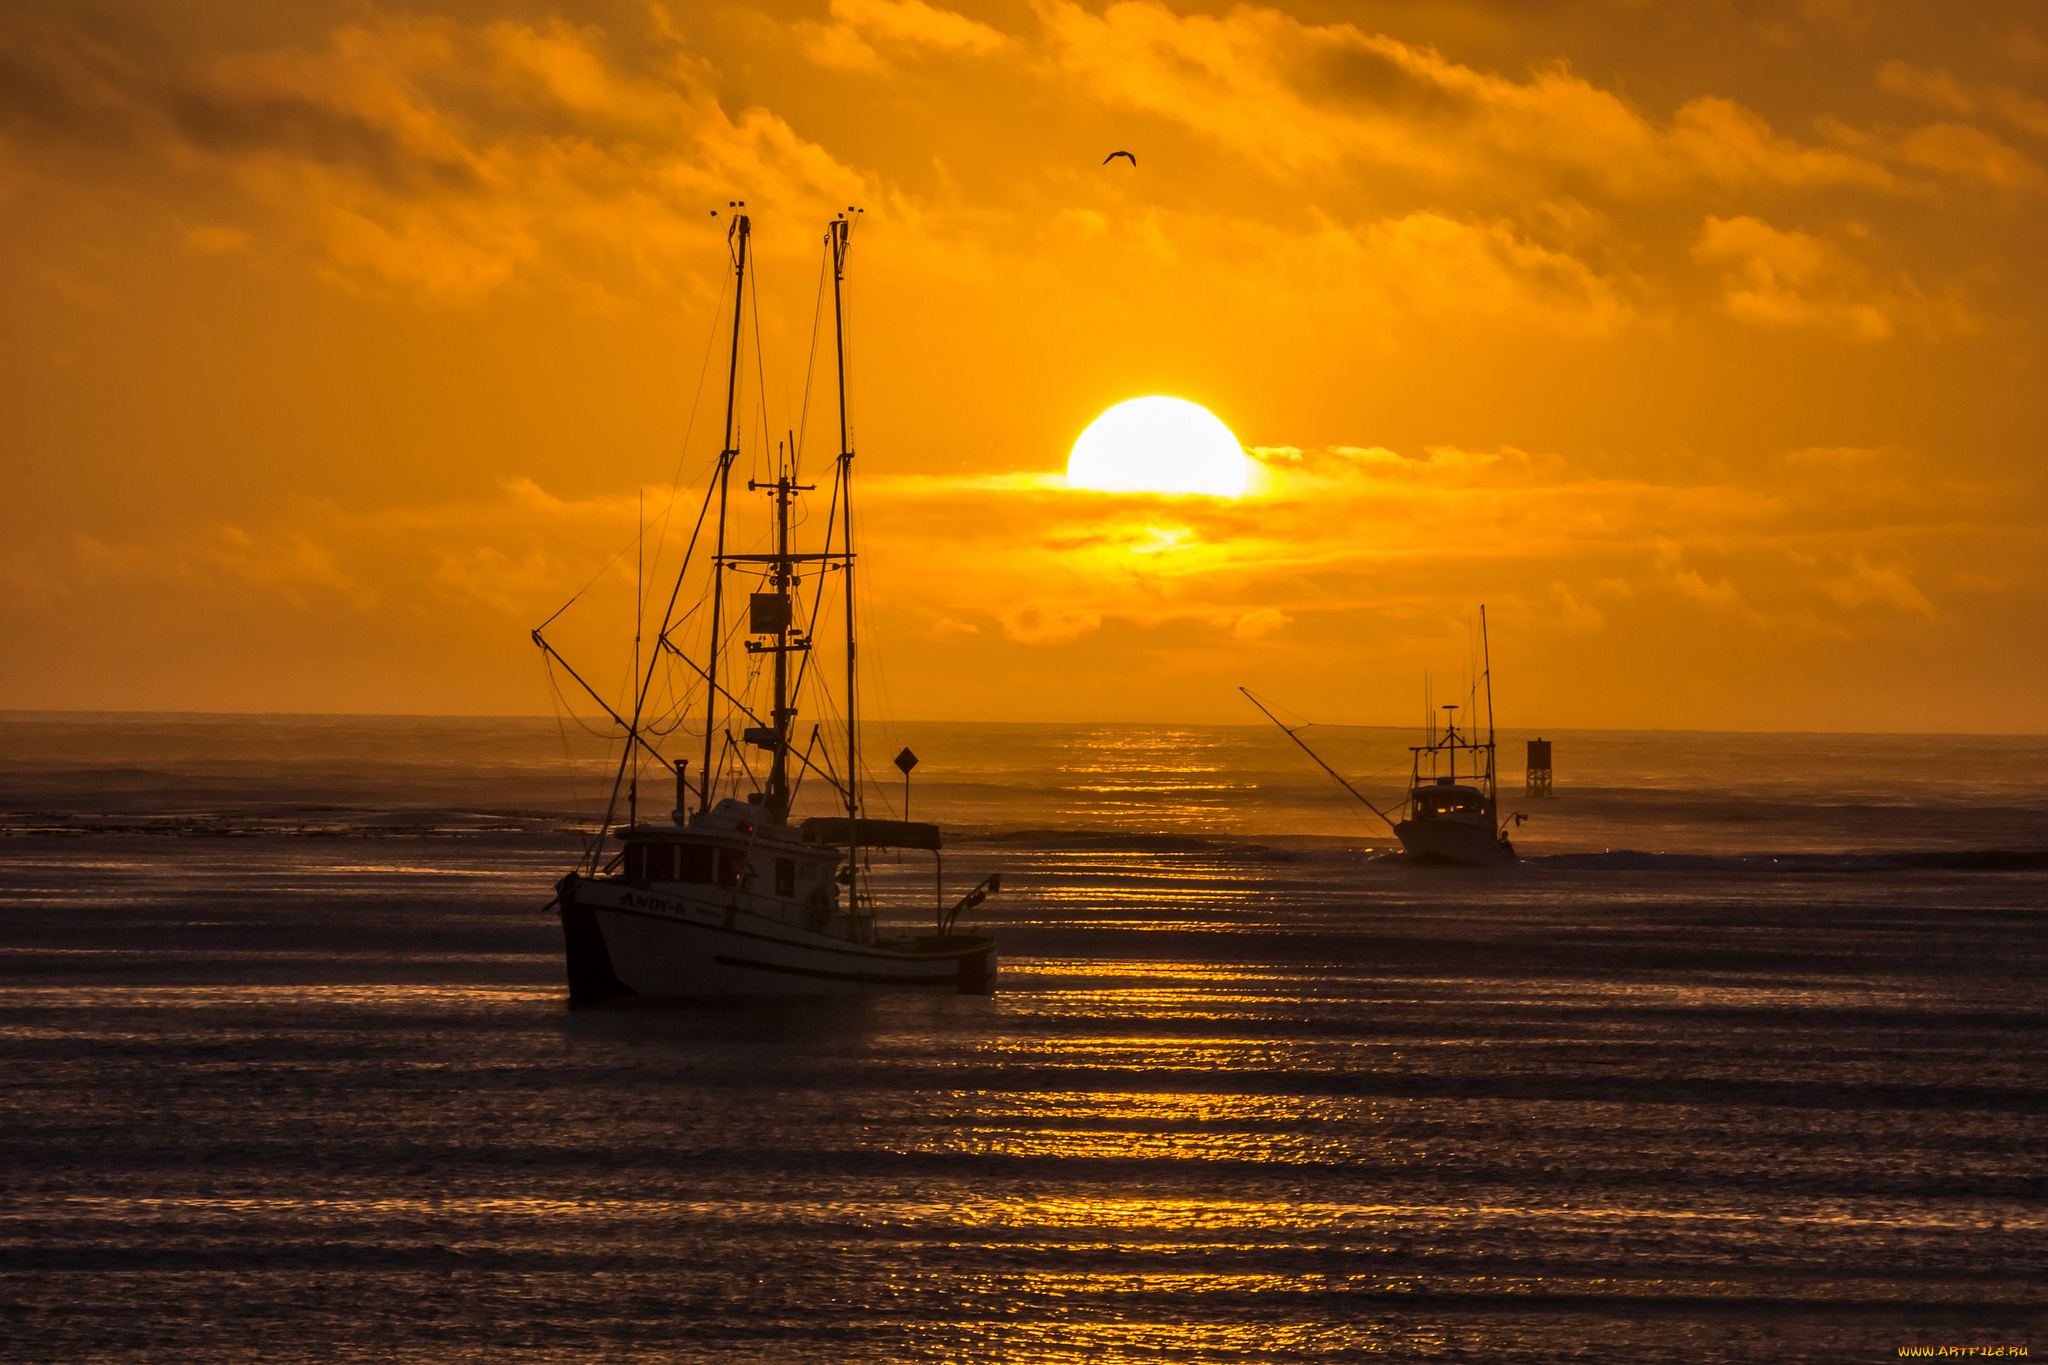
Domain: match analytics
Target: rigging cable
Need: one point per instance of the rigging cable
(803, 416)
(675, 482)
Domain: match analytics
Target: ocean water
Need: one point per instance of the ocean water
(1743, 1062)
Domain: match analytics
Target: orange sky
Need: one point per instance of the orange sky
(1701, 341)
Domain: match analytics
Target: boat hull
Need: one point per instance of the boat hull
(1453, 841)
(623, 941)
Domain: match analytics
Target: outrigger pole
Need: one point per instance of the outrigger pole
(1318, 758)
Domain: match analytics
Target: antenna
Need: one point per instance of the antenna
(1486, 663)
(1486, 670)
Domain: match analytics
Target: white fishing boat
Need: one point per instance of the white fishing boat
(730, 896)
(1445, 819)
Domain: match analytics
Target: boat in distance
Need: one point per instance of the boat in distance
(1449, 821)
(1446, 820)
(729, 897)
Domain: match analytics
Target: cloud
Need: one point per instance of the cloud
(1971, 154)
(1042, 625)
(203, 239)
(438, 159)
(1573, 615)
(1926, 85)
(79, 289)
(850, 42)
(839, 46)
(1723, 141)
(520, 551)
(2021, 110)
(1775, 277)
(1429, 261)
(1864, 586)
(1357, 544)
(1308, 97)
(1799, 23)
(1937, 87)
(1453, 271)
(286, 561)
(1719, 595)
(918, 24)
(1846, 458)
(1261, 621)
(1366, 528)
(451, 161)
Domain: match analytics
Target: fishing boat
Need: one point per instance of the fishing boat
(733, 895)
(1445, 818)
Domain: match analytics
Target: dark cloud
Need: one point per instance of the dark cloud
(57, 83)
(60, 86)
(294, 125)
(1362, 75)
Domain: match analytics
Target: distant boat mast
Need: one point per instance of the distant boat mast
(1486, 666)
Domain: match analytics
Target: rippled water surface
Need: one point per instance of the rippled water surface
(308, 1098)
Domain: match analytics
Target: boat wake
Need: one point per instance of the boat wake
(1931, 860)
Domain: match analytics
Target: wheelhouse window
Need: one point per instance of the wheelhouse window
(691, 864)
(1451, 804)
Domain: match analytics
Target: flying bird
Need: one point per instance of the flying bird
(1114, 155)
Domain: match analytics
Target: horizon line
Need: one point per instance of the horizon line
(18, 712)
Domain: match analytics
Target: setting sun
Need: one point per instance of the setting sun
(1158, 445)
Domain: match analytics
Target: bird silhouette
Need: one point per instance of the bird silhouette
(1114, 155)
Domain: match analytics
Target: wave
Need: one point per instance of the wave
(1334, 850)
(1932, 860)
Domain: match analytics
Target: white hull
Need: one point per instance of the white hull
(625, 940)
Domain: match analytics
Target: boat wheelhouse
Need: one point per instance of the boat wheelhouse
(1449, 820)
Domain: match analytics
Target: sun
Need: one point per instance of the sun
(1158, 445)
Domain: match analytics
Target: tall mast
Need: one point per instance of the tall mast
(736, 240)
(778, 766)
(773, 613)
(841, 230)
